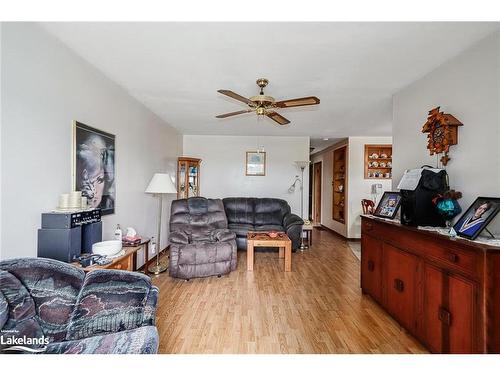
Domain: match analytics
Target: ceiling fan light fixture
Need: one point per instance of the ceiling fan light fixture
(261, 111)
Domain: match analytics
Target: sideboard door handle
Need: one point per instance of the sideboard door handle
(399, 285)
(444, 316)
(371, 265)
(452, 257)
(369, 226)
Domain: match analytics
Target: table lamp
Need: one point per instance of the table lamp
(160, 184)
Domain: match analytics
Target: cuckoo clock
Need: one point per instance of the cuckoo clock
(442, 129)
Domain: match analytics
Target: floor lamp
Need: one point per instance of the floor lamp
(302, 165)
(160, 184)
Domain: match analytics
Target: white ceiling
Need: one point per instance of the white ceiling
(354, 68)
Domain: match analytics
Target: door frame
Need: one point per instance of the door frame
(317, 190)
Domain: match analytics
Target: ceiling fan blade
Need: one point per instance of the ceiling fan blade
(233, 95)
(309, 100)
(278, 118)
(234, 113)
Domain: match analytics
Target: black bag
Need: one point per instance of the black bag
(417, 208)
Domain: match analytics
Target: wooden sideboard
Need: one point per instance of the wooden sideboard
(444, 291)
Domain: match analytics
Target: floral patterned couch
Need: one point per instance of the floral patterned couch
(104, 311)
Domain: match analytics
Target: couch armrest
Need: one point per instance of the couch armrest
(112, 301)
(150, 307)
(178, 237)
(291, 219)
(223, 235)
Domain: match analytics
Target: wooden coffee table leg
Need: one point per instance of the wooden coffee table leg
(288, 256)
(281, 252)
(250, 256)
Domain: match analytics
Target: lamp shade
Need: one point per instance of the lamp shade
(161, 183)
(302, 164)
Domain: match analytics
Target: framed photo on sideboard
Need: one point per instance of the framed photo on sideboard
(477, 217)
(388, 205)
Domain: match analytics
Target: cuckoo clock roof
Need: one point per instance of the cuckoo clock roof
(439, 118)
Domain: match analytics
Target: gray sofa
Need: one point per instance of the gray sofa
(104, 311)
(261, 214)
(200, 243)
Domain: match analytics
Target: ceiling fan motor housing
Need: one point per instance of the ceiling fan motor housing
(262, 100)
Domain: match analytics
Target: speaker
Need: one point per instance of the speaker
(60, 244)
(91, 233)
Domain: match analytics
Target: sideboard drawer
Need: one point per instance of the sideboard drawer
(123, 264)
(452, 258)
(442, 251)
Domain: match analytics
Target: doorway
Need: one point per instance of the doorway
(317, 170)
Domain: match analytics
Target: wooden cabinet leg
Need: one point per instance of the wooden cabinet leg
(250, 256)
(134, 262)
(281, 252)
(288, 256)
(146, 257)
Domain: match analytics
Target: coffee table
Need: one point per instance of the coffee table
(263, 239)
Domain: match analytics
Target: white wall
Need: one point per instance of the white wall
(357, 187)
(326, 158)
(468, 87)
(45, 87)
(223, 166)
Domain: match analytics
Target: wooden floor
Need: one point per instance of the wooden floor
(316, 308)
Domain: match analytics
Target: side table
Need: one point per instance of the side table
(144, 244)
(308, 230)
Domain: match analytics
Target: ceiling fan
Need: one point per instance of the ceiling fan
(265, 105)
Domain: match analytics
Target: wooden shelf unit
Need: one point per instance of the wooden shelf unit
(371, 171)
(188, 177)
(339, 184)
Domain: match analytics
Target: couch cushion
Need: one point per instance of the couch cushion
(270, 211)
(143, 340)
(240, 210)
(109, 304)
(19, 311)
(53, 287)
(241, 230)
(4, 310)
(203, 253)
(197, 214)
(269, 227)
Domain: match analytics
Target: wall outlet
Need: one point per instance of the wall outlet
(376, 188)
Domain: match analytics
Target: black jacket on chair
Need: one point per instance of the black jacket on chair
(261, 214)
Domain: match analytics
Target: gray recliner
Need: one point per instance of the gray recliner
(200, 243)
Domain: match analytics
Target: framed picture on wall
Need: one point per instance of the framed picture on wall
(477, 217)
(388, 205)
(94, 166)
(255, 163)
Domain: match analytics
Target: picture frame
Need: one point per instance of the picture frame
(477, 217)
(255, 163)
(93, 166)
(388, 205)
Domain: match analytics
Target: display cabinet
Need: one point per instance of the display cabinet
(339, 183)
(378, 162)
(188, 177)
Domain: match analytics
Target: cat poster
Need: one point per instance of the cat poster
(94, 167)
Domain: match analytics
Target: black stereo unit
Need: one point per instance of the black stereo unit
(64, 220)
(65, 235)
